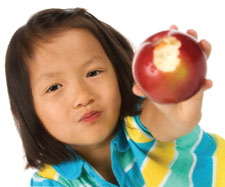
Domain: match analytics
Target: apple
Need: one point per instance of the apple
(169, 67)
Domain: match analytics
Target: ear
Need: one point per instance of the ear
(137, 91)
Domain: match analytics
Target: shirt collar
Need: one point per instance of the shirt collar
(120, 141)
(72, 169)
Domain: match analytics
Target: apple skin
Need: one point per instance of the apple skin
(170, 86)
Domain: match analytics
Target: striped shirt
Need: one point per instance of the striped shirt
(138, 159)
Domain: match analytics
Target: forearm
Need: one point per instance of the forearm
(163, 127)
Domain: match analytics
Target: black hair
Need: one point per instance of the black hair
(39, 146)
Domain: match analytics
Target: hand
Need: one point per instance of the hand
(183, 116)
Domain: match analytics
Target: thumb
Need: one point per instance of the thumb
(207, 85)
(137, 90)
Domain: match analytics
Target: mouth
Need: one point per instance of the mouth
(90, 116)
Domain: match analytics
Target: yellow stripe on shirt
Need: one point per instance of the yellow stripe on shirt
(135, 133)
(220, 161)
(157, 166)
(47, 172)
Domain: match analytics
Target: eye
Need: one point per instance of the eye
(54, 87)
(94, 73)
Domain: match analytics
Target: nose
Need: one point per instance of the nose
(82, 96)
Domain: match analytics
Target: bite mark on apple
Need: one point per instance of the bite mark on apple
(166, 54)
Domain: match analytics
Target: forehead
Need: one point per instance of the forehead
(70, 48)
(74, 43)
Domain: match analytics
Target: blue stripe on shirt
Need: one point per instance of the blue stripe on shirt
(202, 174)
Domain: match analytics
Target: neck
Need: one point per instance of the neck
(99, 156)
(96, 154)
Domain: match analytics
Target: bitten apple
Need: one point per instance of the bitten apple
(169, 67)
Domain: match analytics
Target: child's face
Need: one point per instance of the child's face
(75, 89)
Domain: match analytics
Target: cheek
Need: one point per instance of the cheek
(114, 96)
(53, 117)
(51, 114)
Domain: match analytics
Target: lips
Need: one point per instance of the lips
(90, 116)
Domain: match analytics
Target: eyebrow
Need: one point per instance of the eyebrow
(44, 77)
(49, 75)
(86, 63)
(55, 74)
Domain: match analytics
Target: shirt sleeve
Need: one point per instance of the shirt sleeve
(37, 181)
(136, 131)
(196, 159)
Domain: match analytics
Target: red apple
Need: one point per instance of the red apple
(169, 67)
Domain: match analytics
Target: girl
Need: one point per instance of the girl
(82, 120)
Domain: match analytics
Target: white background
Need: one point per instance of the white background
(136, 20)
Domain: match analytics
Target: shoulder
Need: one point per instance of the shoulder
(135, 130)
(48, 176)
(38, 180)
(62, 174)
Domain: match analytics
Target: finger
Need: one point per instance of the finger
(206, 47)
(174, 27)
(207, 85)
(192, 33)
(137, 91)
